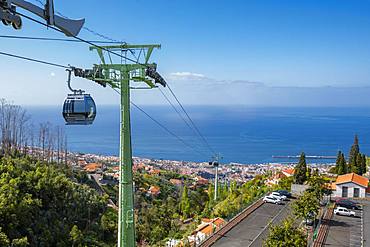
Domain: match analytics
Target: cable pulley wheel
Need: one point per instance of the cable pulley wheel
(17, 23)
(5, 21)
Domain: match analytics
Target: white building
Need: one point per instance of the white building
(351, 185)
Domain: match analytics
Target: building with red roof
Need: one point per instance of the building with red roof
(288, 172)
(206, 229)
(350, 185)
(154, 190)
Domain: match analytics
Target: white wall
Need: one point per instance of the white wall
(351, 186)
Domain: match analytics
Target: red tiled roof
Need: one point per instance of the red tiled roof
(207, 229)
(354, 178)
(218, 222)
(92, 167)
(289, 171)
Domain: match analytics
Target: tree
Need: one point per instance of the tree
(300, 171)
(75, 236)
(20, 242)
(363, 164)
(317, 186)
(341, 164)
(359, 166)
(308, 204)
(285, 235)
(355, 149)
(286, 183)
(4, 241)
(185, 203)
(40, 205)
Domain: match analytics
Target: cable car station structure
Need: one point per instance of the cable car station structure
(119, 76)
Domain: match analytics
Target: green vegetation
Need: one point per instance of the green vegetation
(237, 198)
(43, 202)
(356, 161)
(307, 206)
(300, 171)
(163, 216)
(341, 164)
(185, 203)
(41, 206)
(285, 235)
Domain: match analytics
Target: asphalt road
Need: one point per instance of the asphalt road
(254, 229)
(348, 231)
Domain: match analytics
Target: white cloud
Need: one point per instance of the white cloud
(52, 74)
(195, 77)
(182, 76)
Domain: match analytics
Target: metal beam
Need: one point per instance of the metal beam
(68, 26)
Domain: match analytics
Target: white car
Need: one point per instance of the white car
(277, 195)
(344, 211)
(272, 199)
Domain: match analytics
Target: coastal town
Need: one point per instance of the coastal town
(201, 172)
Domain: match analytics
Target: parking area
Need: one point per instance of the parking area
(366, 223)
(253, 230)
(350, 231)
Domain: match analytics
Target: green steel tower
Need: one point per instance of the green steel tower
(119, 76)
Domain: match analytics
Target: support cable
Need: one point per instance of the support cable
(78, 38)
(178, 112)
(162, 126)
(56, 39)
(167, 130)
(34, 60)
(191, 121)
(86, 28)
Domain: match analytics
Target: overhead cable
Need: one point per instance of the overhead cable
(55, 39)
(191, 121)
(34, 60)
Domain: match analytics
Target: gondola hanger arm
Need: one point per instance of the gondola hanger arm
(67, 26)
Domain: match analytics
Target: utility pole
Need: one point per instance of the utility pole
(216, 164)
(118, 76)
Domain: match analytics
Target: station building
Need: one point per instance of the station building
(350, 185)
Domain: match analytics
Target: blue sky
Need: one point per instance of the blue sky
(284, 53)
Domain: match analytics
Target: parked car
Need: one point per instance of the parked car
(347, 204)
(344, 211)
(277, 195)
(285, 193)
(271, 199)
(308, 222)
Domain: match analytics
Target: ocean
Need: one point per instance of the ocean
(241, 134)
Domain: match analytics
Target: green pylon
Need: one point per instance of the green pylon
(118, 76)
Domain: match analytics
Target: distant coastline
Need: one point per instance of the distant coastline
(246, 135)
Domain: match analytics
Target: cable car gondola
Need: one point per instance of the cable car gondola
(79, 108)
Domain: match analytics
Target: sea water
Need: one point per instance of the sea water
(242, 134)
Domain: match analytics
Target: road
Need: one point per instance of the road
(254, 229)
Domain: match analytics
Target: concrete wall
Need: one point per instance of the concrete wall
(298, 189)
(351, 186)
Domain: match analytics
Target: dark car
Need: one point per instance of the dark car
(284, 193)
(347, 204)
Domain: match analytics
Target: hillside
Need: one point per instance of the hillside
(41, 206)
